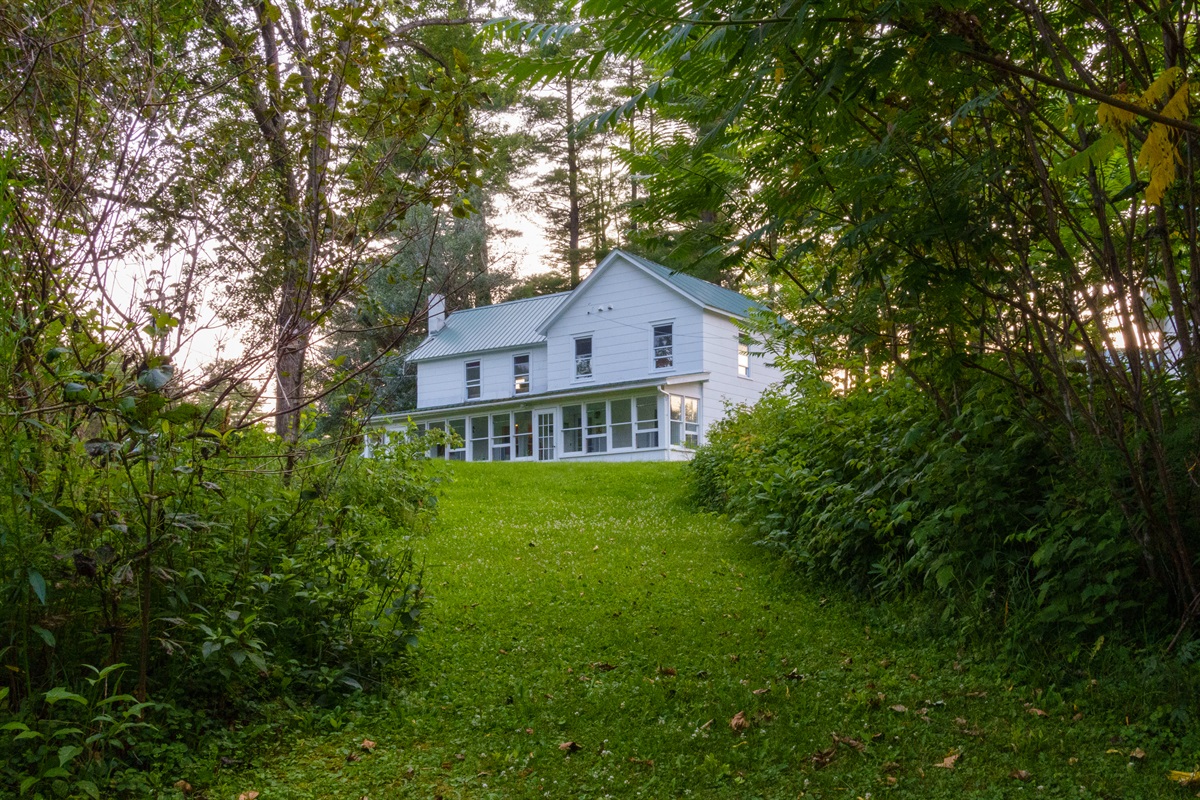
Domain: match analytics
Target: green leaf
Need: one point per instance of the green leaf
(14, 726)
(156, 378)
(184, 412)
(945, 576)
(38, 583)
(76, 393)
(67, 752)
(88, 788)
(28, 784)
(46, 635)
(59, 693)
(1094, 154)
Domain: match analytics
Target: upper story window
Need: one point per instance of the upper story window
(521, 374)
(474, 380)
(743, 359)
(664, 346)
(583, 357)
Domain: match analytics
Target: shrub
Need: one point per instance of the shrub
(877, 490)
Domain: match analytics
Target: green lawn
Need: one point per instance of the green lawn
(590, 604)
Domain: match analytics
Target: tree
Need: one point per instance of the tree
(342, 136)
(961, 190)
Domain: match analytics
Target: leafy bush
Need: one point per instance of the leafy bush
(158, 561)
(877, 490)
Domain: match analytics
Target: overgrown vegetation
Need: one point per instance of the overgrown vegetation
(591, 604)
(876, 490)
(978, 196)
(163, 571)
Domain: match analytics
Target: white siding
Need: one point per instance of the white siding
(724, 385)
(443, 382)
(618, 313)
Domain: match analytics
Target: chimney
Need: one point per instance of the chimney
(437, 313)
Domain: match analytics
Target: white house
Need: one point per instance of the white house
(635, 363)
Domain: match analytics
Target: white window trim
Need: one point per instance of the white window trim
(742, 342)
(674, 349)
(467, 383)
(683, 423)
(575, 376)
(528, 375)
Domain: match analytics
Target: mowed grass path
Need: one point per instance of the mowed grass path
(589, 604)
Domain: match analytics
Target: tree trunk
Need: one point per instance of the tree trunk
(573, 253)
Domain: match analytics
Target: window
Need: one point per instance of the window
(743, 359)
(620, 415)
(597, 427)
(521, 374)
(572, 429)
(501, 438)
(479, 438)
(523, 430)
(583, 357)
(545, 435)
(473, 380)
(438, 448)
(685, 421)
(664, 346)
(647, 421)
(458, 440)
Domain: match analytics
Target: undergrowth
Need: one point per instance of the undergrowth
(593, 636)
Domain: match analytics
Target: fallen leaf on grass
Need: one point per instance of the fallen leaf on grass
(948, 761)
(739, 722)
(248, 796)
(1037, 712)
(183, 786)
(821, 758)
(670, 672)
(965, 729)
(846, 740)
(1184, 778)
(602, 666)
(367, 745)
(649, 762)
(569, 747)
(1020, 775)
(352, 757)
(1138, 753)
(761, 691)
(899, 709)
(529, 731)
(794, 676)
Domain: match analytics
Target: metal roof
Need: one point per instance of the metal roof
(703, 292)
(526, 400)
(495, 327)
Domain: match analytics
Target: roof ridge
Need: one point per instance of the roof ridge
(509, 302)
